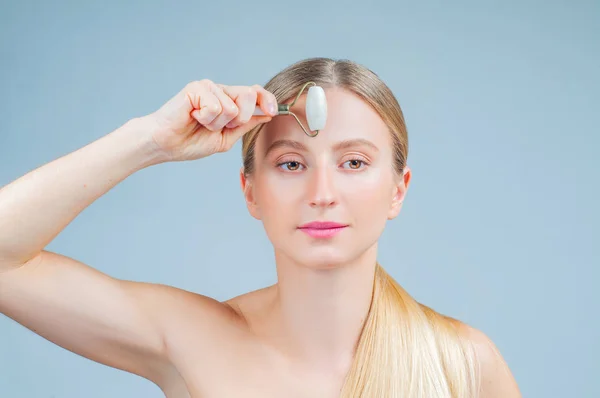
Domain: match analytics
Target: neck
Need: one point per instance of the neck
(320, 313)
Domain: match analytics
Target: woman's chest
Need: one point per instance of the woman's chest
(248, 376)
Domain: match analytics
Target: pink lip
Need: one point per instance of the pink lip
(322, 229)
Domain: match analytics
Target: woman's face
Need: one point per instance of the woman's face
(344, 176)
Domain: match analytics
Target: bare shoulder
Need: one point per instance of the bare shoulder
(176, 307)
(250, 306)
(176, 299)
(497, 380)
(195, 322)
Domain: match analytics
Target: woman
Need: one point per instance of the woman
(335, 324)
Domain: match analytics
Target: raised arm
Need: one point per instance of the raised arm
(69, 303)
(119, 323)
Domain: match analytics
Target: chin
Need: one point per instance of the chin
(323, 258)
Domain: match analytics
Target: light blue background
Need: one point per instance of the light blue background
(500, 226)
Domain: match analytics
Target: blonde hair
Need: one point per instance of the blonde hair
(405, 349)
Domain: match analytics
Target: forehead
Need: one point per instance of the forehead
(348, 117)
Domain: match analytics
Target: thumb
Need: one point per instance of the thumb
(230, 136)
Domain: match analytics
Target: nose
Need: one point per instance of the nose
(321, 190)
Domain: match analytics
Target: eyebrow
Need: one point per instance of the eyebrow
(337, 147)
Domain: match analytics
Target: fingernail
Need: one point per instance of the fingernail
(272, 108)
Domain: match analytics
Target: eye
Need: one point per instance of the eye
(355, 164)
(290, 166)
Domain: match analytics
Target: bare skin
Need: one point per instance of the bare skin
(292, 339)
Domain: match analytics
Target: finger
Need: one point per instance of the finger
(245, 99)
(209, 110)
(204, 104)
(229, 110)
(266, 100)
(231, 136)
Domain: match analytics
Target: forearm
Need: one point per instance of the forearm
(39, 205)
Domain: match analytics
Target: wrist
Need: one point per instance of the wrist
(141, 130)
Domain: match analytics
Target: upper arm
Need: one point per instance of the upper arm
(496, 379)
(114, 322)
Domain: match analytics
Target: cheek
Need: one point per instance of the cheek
(277, 197)
(369, 192)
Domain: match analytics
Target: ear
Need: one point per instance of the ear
(248, 190)
(399, 193)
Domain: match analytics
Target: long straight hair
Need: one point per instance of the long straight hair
(406, 349)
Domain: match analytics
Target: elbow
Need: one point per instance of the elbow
(9, 262)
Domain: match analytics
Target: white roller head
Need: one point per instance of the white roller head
(316, 108)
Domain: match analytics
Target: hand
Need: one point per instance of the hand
(205, 118)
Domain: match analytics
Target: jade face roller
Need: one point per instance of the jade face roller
(316, 109)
